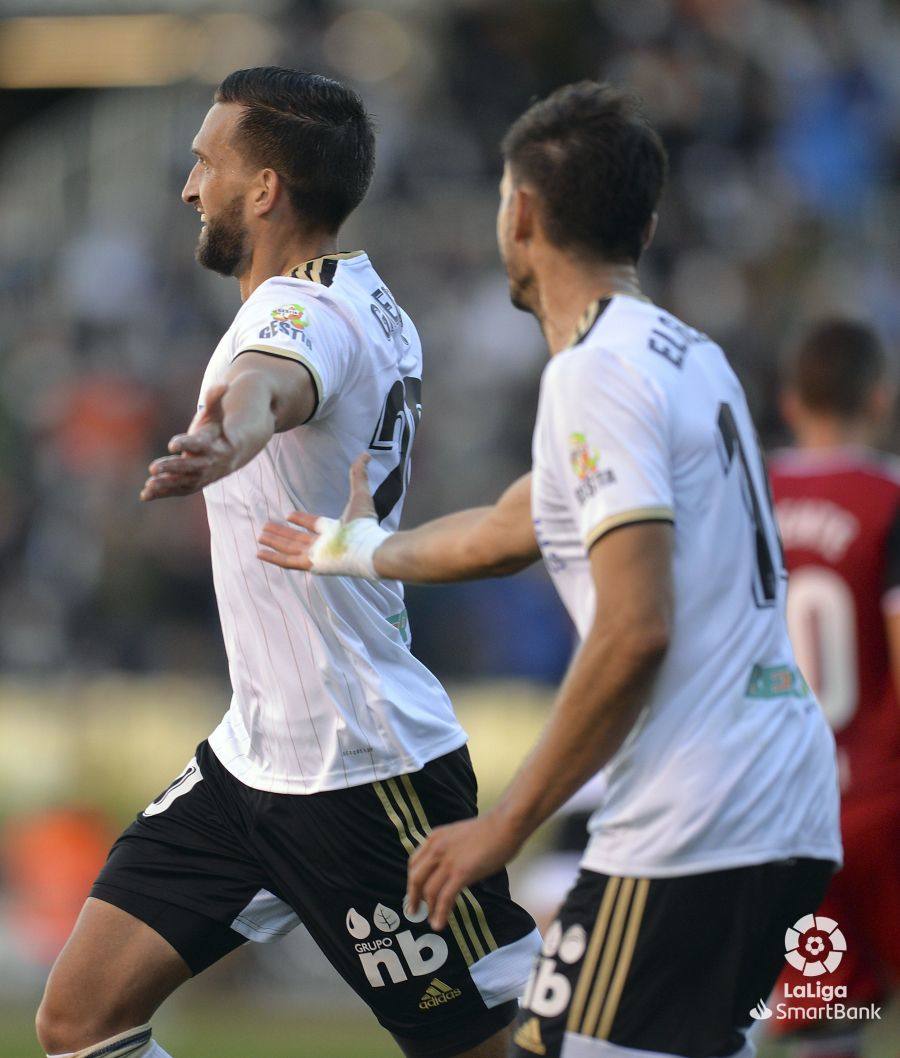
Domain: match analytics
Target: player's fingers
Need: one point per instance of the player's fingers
(161, 486)
(285, 532)
(178, 465)
(418, 872)
(431, 891)
(439, 911)
(285, 545)
(198, 443)
(304, 520)
(360, 504)
(276, 558)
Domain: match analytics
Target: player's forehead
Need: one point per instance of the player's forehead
(216, 133)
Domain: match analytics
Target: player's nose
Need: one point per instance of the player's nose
(190, 191)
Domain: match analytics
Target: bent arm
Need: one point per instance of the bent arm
(467, 545)
(598, 705)
(610, 678)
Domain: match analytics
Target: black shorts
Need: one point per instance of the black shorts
(212, 863)
(646, 967)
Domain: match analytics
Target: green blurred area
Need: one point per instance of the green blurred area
(113, 742)
(110, 745)
(234, 1032)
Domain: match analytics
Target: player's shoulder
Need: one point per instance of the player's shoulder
(296, 303)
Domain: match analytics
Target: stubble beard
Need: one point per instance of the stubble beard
(521, 289)
(222, 246)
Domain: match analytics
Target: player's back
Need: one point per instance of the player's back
(731, 762)
(839, 513)
(326, 691)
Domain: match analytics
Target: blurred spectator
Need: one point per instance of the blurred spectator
(780, 116)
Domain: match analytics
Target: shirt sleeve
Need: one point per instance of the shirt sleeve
(302, 327)
(611, 435)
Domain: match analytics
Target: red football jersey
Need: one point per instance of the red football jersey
(839, 515)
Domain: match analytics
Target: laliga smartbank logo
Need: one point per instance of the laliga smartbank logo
(814, 946)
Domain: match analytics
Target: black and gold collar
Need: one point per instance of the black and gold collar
(322, 269)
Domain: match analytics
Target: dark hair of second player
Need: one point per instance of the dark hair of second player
(597, 165)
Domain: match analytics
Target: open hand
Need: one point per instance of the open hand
(289, 548)
(202, 455)
(453, 857)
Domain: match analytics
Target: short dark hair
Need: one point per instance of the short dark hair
(313, 131)
(837, 366)
(597, 165)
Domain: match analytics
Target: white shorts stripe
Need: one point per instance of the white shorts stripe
(265, 918)
(503, 973)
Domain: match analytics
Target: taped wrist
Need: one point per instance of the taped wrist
(347, 550)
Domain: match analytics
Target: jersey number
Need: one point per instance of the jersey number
(768, 566)
(822, 621)
(396, 427)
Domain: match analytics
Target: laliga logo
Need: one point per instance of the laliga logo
(814, 945)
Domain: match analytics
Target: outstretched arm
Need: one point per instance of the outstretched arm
(480, 542)
(262, 395)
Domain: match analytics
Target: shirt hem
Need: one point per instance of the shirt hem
(737, 858)
(243, 769)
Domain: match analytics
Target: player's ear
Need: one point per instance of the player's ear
(267, 190)
(524, 214)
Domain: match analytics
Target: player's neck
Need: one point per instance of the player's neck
(277, 255)
(826, 434)
(566, 288)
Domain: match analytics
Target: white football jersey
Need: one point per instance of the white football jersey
(731, 762)
(326, 693)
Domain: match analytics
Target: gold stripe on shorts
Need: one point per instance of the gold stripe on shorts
(589, 966)
(611, 944)
(413, 832)
(489, 942)
(625, 956)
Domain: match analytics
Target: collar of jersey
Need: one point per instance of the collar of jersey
(322, 269)
(587, 320)
(593, 313)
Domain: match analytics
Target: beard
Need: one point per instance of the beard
(521, 292)
(222, 244)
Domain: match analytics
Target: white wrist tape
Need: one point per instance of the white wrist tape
(347, 550)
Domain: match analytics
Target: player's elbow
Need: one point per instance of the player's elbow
(641, 639)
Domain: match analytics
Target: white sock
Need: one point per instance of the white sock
(134, 1043)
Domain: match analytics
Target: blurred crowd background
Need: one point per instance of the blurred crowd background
(783, 123)
(782, 118)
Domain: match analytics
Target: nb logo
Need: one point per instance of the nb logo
(548, 992)
(397, 955)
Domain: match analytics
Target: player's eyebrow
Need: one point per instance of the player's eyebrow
(199, 154)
